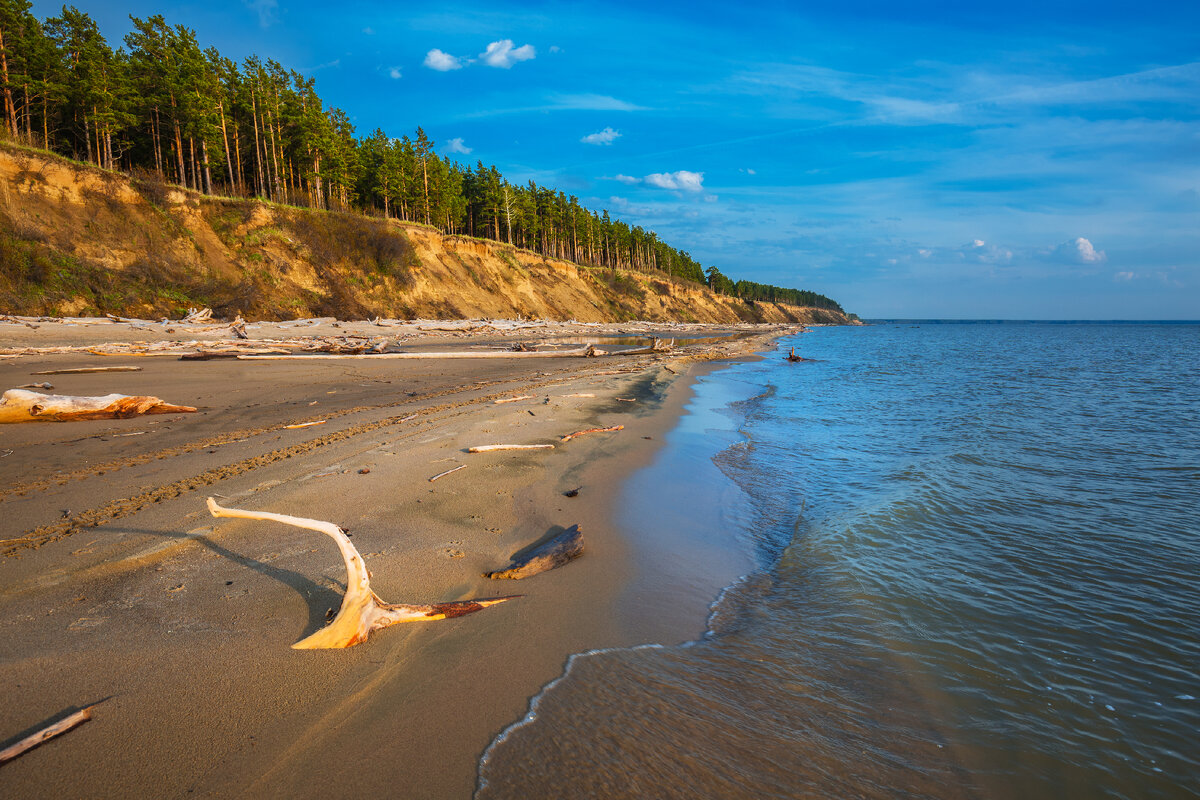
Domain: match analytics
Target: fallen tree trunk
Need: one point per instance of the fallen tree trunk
(45, 734)
(362, 611)
(565, 547)
(488, 448)
(86, 370)
(585, 352)
(18, 405)
(571, 436)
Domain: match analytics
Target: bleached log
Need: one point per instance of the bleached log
(45, 734)
(488, 448)
(585, 352)
(87, 370)
(18, 405)
(565, 547)
(512, 399)
(202, 315)
(576, 434)
(362, 611)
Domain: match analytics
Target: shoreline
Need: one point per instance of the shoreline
(189, 622)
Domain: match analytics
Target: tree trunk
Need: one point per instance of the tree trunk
(257, 148)
(87, 138)
(10, 110)
(195, 166)
(225, 137)
(274, 160)
(154, 125)
(207, 167)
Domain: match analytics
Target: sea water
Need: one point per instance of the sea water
(975, 573)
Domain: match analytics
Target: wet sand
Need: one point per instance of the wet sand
(116, 583)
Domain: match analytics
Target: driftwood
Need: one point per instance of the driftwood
(86, 370)
(488, 448)
(585, 352)
(362, 611)
(512, 399)
(793, 357)
(571, 436)
(45, 734)
(203, 315)
(306, 424)
(447, 472)
(565, 547)
(18, 405)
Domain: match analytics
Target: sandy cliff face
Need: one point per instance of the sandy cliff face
(76, 240)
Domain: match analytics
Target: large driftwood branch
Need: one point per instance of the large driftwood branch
(565, 547)
(18, 405)
(86, 370)
(362, 611)
(45, 734)
(585, 352)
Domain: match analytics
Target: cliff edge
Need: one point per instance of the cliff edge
(78, 241)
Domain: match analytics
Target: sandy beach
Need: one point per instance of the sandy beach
(117, 583)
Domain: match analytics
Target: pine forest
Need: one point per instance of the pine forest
(162, 105)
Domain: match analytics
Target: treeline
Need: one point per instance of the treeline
(163, 104)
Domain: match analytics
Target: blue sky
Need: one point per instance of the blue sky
(910, 159)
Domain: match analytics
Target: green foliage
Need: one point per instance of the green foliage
(175, 113)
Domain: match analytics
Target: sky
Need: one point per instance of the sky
(1017, 160)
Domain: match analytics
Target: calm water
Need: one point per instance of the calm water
(978, 575)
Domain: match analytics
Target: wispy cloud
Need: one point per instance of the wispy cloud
(394, 73)
(606, 136)
(267, 10)
(503, 54)
(560, 102)
(591, 102)
(456, 145)
(442, 61)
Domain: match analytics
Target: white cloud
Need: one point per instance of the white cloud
(502, 54)
(606, 136)
(266, 10)
(1081, 251)
(590, 102)
(442, 62)
(555, 48)
(1076, 251)
(1124, 276)
(627, 179)
(681, 181)
(980, 252)
(394, 73)
(456, 145)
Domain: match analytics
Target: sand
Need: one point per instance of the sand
(116, 583)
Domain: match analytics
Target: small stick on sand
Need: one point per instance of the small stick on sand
(362, 611)
(45, 734)
(571, 436)
(487, 448)
(513, 399)
(306, 424)
(580, 394)
(86, 370)
(447, 472)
